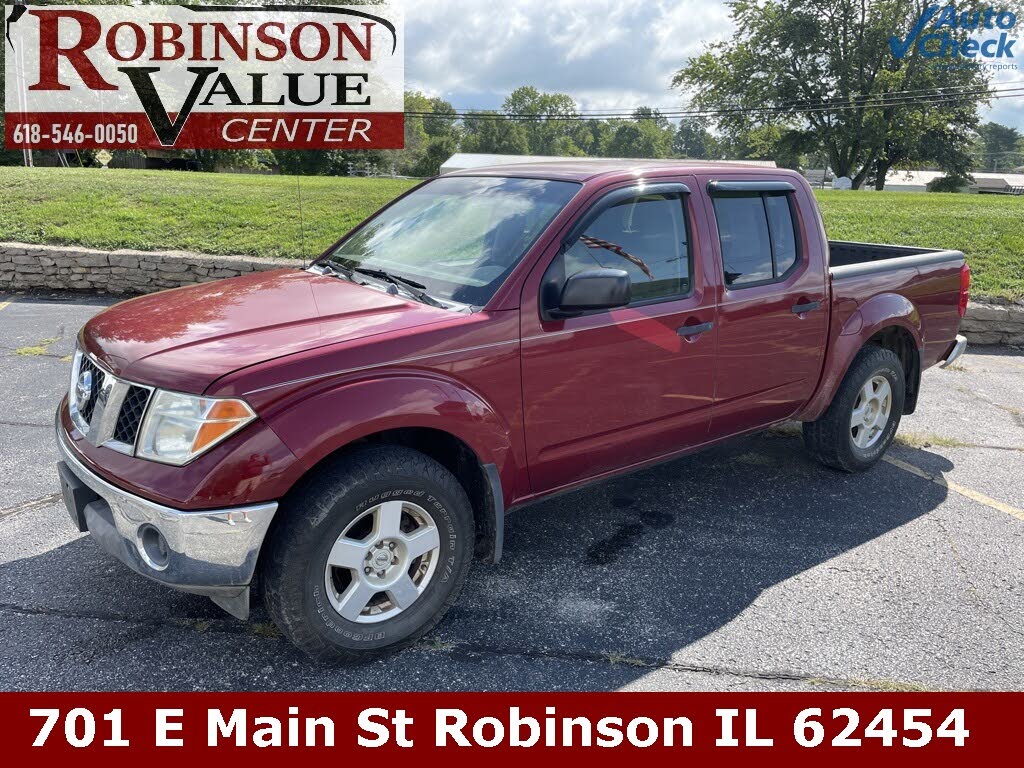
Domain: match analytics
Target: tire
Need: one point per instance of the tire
(328, 517)
(832, 439)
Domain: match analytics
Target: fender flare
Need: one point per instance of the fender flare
(317, 425)
(878, 313)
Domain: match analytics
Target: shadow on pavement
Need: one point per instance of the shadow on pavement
(639, 568)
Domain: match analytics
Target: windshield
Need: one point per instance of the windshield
(459, 236)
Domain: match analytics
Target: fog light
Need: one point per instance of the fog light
(153, 547)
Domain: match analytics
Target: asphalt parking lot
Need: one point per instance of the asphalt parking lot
(746, 568)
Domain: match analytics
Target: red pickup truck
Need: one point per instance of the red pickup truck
(350, 435)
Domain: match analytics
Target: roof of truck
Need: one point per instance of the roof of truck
(584, 170)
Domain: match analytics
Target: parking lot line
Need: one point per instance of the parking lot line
(981, 498)
(4, 305)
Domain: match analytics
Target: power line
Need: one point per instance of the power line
(879, 102)
(860, 98)
(665, 110)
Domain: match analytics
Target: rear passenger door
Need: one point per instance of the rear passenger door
(773, 315)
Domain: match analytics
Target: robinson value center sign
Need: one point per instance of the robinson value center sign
(204, 77)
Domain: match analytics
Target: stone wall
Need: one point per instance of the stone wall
(66, 268)
(70, 268)
(999, 322)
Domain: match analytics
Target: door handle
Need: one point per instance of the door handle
(694, 330)
(807, 306)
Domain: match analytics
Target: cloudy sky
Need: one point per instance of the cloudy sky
(605, 53)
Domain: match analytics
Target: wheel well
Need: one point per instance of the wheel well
(455, 456)
(899, 341)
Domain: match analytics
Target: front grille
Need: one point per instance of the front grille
(130, 418)
(89, 405)
(106, 409)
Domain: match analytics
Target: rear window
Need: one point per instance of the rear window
(758, 238)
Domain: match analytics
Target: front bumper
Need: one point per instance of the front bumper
(209, 552)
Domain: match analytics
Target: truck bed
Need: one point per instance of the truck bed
(849, 259)
(928, 278)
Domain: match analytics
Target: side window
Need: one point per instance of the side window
(780, 221)
(758, 237)
(646, 236)
(746, 244)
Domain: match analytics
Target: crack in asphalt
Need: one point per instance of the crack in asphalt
(972, 589)
(462, 650)
(4, 423)
(42, 501)
(223, 626)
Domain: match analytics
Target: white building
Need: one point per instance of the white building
(917, 181)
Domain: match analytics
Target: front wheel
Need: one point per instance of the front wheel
(864, 415)
(370, 554)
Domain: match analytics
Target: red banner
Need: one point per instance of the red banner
(605, 728)
(208, 130)
(203, 76)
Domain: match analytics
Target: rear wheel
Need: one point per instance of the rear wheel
(864, 415)
(370, 554)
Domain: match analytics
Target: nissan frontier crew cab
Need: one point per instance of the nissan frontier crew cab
(345, 438)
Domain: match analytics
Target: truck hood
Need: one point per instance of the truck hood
(185, 339)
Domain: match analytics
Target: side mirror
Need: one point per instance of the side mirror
(593, 289)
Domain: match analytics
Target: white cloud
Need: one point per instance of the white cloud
(606, 54)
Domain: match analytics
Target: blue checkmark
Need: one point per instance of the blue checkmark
(900, 47)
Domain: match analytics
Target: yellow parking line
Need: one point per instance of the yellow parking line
(981, 498)
(4, 304)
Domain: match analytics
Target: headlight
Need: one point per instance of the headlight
(177, 427)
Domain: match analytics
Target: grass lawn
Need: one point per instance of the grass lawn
(260, 215)
(220, 213)
(988, 228)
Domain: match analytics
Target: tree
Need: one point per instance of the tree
(438, 149)
(825, 70)
(544, 130)
(654, 115)
(999, 146)
(787, 147)
(642, 138)
(490, 133)
(593, 136)
(693, 139)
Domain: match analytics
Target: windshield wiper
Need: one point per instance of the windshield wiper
(411, 286)
(337, 269)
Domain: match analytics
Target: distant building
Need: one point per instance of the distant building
(462, 161)
(917, 181)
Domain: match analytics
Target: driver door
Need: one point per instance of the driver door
(611, 388)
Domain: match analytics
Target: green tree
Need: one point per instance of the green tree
(693, 139)
(803, 59)
(490, 133)
(999, 146)
(654, 115)
(641, 138)
(593, 136)
(438, 149)
(545, 129)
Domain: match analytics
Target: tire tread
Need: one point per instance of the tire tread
(827, 438)
(318, 496)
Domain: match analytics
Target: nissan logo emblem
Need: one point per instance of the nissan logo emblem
(83, 390)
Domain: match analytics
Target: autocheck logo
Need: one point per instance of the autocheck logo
(938, 34)
(204, 77)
